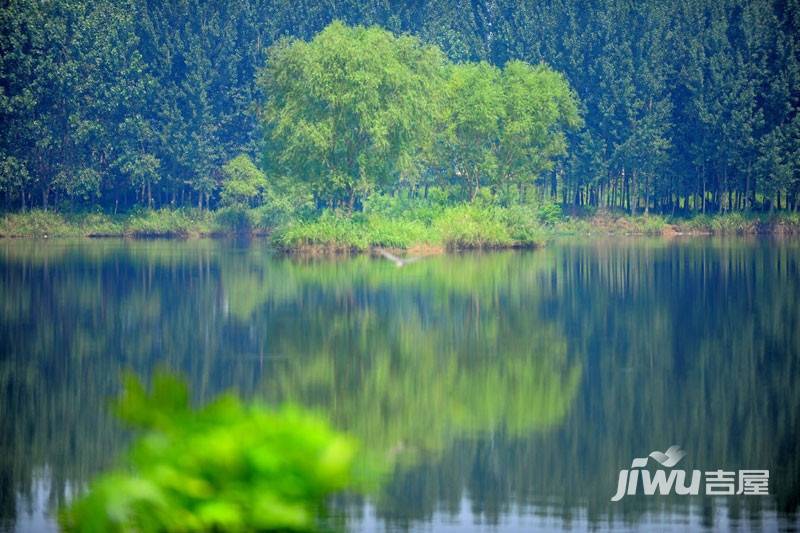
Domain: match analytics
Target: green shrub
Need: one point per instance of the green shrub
(649, 225)
(98, 224)
(549, 213)
(224, 467)
(728, 223)
(733, 223)
(169, 222)
(330, 230)
(36, 223)
(276, 211)
(396, 232)
(574, 226)
(698, 223)
(235, 219)
(523, 224)
(401, 207)
(472, 226)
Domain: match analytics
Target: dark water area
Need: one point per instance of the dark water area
(497, 391)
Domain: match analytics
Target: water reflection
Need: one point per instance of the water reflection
(501, 389)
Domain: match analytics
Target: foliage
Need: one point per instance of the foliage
(398, 224)
(549, 213)
(424, 210)
(244, 184)
(236, 219)
(505, 127)
(687, 107)
(464, 226)
(738, 223)
(226, 466)
(169, 222)
(472, 226)
(339, 232)
(350, 109)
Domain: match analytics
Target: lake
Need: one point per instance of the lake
(500, 391)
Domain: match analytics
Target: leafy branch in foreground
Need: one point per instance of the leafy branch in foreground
(226, 466)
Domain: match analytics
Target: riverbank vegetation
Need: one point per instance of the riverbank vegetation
(423, 229)
(150, 116)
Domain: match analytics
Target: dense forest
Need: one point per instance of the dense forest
(681, 106)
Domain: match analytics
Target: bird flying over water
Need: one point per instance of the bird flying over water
(399, 261)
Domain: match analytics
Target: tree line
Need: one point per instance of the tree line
(683, 106)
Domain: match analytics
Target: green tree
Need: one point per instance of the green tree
(504, 127)
(539, 108)
(473, 119)
(349, 109)
(244, 183)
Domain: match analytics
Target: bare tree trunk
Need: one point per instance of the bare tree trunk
(626, 199)
(614, 193)
(704, 192)
(747, 190)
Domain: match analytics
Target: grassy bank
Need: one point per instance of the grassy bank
(391, 224)
(469, 226)
(142, 223)
(778, 223)
(458, 227)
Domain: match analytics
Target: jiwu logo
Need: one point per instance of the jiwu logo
(660, 481)
(663, 482)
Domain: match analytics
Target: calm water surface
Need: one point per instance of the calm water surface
(499, 391)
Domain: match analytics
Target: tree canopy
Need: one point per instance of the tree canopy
(349, 109)
(687, 106)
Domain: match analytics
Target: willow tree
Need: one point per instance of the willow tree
(350, 109)
(504, 127)
(474, 113)
(540, 107)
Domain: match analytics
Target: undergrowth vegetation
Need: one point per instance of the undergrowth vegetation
(389, 221)
(400, 222)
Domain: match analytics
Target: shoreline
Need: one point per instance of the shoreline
(409, 237)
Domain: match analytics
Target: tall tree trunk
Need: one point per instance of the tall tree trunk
(747, 189)
(626, 199)
(613, 200)
(704, 192)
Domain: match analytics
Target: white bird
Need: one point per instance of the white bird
(399, 261)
